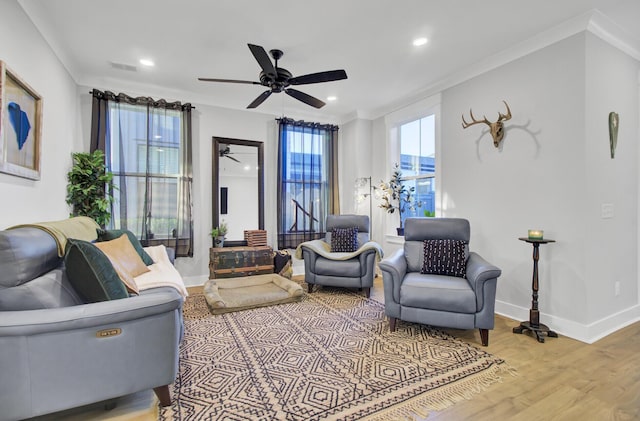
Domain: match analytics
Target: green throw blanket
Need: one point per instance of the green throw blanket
(79, 227)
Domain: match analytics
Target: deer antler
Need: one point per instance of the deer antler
(502, 117)
(496, 128)
(465, 124)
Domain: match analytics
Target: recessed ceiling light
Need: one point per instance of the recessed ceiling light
(147, 62)
(420, 41)
(332, 98)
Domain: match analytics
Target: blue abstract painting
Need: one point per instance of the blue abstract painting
(20, 122)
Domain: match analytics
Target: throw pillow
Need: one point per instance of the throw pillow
(444, 257)
(282, 263)
(91, 273)
(127, 263)
(344, 240)
(107, 235)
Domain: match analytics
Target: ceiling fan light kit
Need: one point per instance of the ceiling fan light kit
(278, 79)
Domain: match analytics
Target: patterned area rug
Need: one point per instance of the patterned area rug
(330, 356)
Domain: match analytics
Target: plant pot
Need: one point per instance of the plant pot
(219, 241)
(400, 231)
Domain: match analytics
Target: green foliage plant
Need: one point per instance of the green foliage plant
(220, 230)
(87, 190)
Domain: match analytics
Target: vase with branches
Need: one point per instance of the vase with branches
(396, 196)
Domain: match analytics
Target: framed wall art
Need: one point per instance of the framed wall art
(20, 126)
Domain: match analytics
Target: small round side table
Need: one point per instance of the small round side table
(533, 324)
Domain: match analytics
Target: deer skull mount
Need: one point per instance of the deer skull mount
(496, 128)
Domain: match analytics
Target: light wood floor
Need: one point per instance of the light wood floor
(562, 379)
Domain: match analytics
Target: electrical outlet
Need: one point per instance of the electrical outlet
(606, 210)
(616, 288)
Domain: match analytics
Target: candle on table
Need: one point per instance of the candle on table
(535, 234)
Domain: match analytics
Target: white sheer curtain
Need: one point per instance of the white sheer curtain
(147, 145)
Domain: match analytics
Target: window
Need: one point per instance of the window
(413, 132)
(417, 162)
(307, 181)
(147, 145)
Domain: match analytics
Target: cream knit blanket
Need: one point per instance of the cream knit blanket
(324, 249)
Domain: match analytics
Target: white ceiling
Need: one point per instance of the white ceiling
(370, 39)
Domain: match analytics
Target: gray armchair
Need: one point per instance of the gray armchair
(351, 270)
(439, 300)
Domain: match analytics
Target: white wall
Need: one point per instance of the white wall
(26, 53)
(536, 180)
(612, 85)
(354, 161)
(552, 172)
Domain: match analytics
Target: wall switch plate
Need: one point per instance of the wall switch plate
(616, 288)
(606, 210)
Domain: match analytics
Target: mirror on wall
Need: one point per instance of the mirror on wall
(238, 186)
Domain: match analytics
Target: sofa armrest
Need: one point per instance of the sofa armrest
(364, 254)
(480, 271)
(31, 322)
(394, 269)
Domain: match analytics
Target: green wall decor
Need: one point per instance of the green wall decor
(613, 132)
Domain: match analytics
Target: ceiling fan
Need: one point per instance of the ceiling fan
(225, 152)
(278, 79)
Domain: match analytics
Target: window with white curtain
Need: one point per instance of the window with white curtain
(147, 146)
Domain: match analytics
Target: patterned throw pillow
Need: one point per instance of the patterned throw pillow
(344, 240)
(444, 257)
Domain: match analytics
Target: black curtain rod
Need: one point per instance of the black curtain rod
(141, 100)
(302, 123)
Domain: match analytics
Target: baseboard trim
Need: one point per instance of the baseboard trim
(194, 281)
(587, 333)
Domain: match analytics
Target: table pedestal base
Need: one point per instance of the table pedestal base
(539, 330)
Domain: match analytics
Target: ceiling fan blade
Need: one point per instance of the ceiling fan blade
(260, 99)
(306, 98)
(263, 60)
(206, 79)
(232, 158)
(319, 77)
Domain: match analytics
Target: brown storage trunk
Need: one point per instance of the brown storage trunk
(232, 262)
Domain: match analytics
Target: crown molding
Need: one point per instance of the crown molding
(592, 21)
(604, 28)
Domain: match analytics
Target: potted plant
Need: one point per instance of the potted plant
(396, 197)
(87, 191)
(219, 233)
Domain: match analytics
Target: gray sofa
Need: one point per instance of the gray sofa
(439, 300)
(59, 353)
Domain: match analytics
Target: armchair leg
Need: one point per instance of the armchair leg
(309, 288)
(367, 292)
(392, 324)
(484, 337)
(163, 394)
